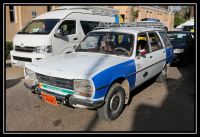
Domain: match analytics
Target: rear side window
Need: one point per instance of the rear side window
(154, 41)
(68, 27)
(88, 26)
(165, 39)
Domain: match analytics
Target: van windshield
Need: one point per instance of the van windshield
(43, 26)
(120, 44)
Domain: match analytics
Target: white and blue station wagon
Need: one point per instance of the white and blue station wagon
(106, 66)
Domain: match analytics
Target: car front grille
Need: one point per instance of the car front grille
(24, 49)
(22, 59)
(58, 82)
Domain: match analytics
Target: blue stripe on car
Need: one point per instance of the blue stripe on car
(106, 77)
(169, 54)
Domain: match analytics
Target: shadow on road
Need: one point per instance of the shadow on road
(12, 82)
(8, 64)
(91, 124)
(140, 89)
(176, 113)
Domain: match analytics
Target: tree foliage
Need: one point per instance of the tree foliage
(181, 16)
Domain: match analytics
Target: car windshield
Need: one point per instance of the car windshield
(39, 26)
(177, 37)
(120, 44)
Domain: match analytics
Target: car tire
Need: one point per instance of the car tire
(162, 75)
(114, 103)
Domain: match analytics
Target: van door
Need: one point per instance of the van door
(68, 39)
(157, 55)
(142, 62)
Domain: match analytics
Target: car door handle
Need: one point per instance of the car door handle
(75, 39)
(145, 74)
(163, 51)
(151, 57)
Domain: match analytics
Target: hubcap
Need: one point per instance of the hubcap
(115, 103)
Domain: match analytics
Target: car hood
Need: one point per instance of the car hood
(179, 45)
(31, 40)
(75, 65)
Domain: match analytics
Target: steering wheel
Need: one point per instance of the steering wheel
(123, 49)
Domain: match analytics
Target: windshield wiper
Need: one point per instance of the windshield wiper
(23, 32)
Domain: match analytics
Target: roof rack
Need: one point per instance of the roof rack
(134, 25)
(147, 24)
(98, 10)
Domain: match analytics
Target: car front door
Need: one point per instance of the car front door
(68, 38)
(142, 62)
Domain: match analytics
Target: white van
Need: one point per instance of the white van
(57, 32)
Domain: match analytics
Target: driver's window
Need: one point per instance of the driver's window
(68, 27)
(142, 43)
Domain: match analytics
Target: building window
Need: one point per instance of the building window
(34, 14)
(49, 8)
(12, 13)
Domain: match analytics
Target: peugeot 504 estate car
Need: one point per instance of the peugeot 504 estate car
(106, 66)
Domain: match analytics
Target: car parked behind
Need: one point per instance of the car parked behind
(183, 45)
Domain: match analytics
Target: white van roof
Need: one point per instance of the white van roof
(187, 23)
(62, 11)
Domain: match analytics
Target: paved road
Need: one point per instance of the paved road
(152, 107)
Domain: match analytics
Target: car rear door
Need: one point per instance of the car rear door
(157, 55)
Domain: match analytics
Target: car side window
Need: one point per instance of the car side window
(154, 41)
(165, 39)
(142, 43)
(68, 27)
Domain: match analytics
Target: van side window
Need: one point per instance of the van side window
(142, 43)
(88, 26)
(165, 39)
(68, 27)
(155, 42)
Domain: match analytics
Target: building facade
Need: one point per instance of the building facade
(18, 16)
(164, 14)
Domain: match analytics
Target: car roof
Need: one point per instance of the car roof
(130, 30)
(179, 32)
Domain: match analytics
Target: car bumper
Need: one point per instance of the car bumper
(177, 57)
(68, 100)
(20, 58)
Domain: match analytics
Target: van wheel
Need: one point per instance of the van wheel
(162, 76)
(114, 103)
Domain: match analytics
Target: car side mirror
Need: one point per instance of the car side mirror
(58, 33)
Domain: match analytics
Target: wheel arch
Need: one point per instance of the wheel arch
(125, 84)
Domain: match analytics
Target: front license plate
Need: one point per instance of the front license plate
(49, 98)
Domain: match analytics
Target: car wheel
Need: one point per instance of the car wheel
(162, 76)
(114, 103)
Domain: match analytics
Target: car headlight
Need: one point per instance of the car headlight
(29, 74)
(47, 49)
(83, 87)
